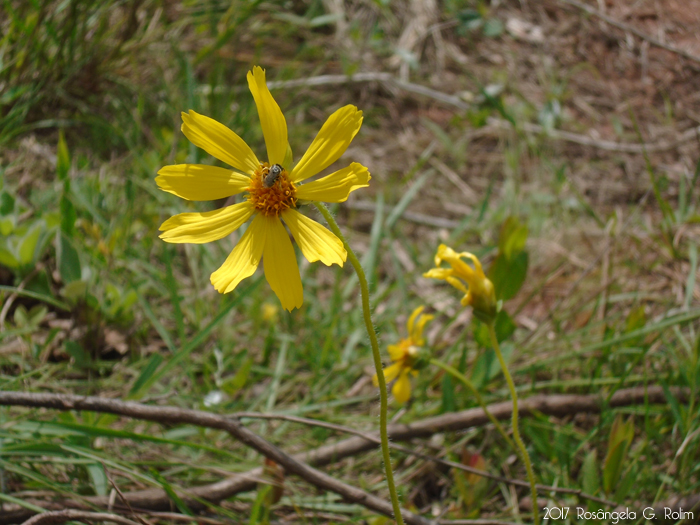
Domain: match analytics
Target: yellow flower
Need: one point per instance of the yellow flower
(406, 356)
(479, 292)
(273, 189)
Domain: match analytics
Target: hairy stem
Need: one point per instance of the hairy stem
(516, 431)
(383, 398)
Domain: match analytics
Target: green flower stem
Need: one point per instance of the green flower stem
(516, 431)
(465, 380)
(383, 398)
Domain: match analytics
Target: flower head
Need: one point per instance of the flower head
(274, 188)
(407, 356)
(478, 291)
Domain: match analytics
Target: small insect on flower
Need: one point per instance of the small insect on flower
(273, 186)
(408, 356)
(273, 173)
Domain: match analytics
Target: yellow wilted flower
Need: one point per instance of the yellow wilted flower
(479, 291)
(273, 191)
(406, 355)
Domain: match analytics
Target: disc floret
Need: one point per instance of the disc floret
(271, 201)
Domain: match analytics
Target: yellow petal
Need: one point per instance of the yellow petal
(417, 333)
(271, 118)
(244, 258)
(330, 143)
(390, 372)
(219, 141)
(397, 352)
(196, 182)
(402, 387)
(315, 241)
(337, 186)
(204, 227)
(412, 319)
(280, 263)
(439, 273)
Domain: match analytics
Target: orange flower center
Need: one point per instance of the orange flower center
(270, 191)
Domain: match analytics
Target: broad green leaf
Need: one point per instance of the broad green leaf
(68, 261)
(7, 203)
(512, 237)
(81, 357)
(505, 327)
(28, 244)
(7, 224)
(508, 275)
(74, 291)
(590, 480)
(7, 259)
(621, 436)
(98, 478)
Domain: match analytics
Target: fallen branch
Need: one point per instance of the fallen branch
(175, 415)
(427, 457)
(554, 405)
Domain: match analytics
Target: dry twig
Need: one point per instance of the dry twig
(175, 415)
(157, 499)
(427, 457)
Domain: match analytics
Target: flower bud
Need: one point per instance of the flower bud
(478, 290)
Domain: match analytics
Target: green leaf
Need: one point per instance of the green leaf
(148, 371)
(621, 436)
(7, 224)
(7, 203)
(179, 503)
(81, 357)
(509, 269)
(233, 384)
(28, 244)
(504, 326)
(62, 157)
(513, 237)
(37, 314)
(7, 259)
(448, 394)
(508, 275)
(68, 261)
(98, 478)
(68, 215)
(590, 481)
(35, 295)
(74, 291)
(624, 486)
